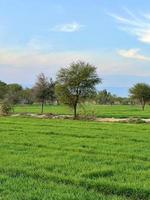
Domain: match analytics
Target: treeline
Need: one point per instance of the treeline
(16, 94)
(73, 85)
(107, 98)
(42, 92)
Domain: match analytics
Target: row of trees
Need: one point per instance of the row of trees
(11, 92)
(106, 98)
(15, 93)
(74, 84)
(139, 93)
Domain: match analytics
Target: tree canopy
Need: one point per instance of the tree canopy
(75, 83)
(43, 89)
(141, 92)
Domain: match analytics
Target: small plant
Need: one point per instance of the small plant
(5, 108)
(135, 120)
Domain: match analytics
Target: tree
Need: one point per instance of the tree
(27, 96)
(105, 97)
(123, 100)
(14, 93)
(5, 107)
(3, 89)
(43, 89)
(51, 91)
(141, 92)
(75, 83)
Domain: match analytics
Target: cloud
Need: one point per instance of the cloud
(34, 44)
(23, 67)
(23, 62)
(138, 26)
(38, 44)
(70, 27)
(133, 53)
(24, 58)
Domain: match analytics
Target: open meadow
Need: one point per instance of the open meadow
(43, 159)
(117, 111)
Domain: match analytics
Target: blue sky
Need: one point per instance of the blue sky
(43, 36)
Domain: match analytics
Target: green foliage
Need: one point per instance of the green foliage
(5, 108)
(27, 96)
(105, 97)
(3, 89)
(64, 159)
(141, 92)
(14, 93)
(41, 88)
(44, 90)
(11, 92)
(123, 100)
(76, 83)
(51, 91)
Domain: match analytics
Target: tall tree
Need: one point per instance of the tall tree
(41, 89)
(75, 83)
(141, 92)
(44, 90)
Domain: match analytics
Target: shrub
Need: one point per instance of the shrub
(136, 120)
(5, 108)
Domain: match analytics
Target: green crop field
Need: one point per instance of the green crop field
(44, 159)
(118, 111)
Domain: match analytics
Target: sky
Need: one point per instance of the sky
(43, 36)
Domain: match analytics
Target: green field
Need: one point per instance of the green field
(117, 111)
(44, 159)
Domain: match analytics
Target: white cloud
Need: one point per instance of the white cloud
(34, 44)
(70, 27)
(37, 59)
(138, 26)
(133, 53)
(38, 44)
(17, 64)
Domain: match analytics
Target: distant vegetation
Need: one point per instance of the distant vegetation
(74, 85)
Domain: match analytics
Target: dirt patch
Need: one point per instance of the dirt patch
(51, 116)
(111, 120)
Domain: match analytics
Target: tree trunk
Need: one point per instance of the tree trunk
(143, 106)
(75, 105)
(42, 105)
(75, 111)
(58, 103)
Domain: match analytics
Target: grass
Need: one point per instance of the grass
(45, 159)
(117, 111)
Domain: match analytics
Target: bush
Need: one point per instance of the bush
(136, 120)
(5, 108)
